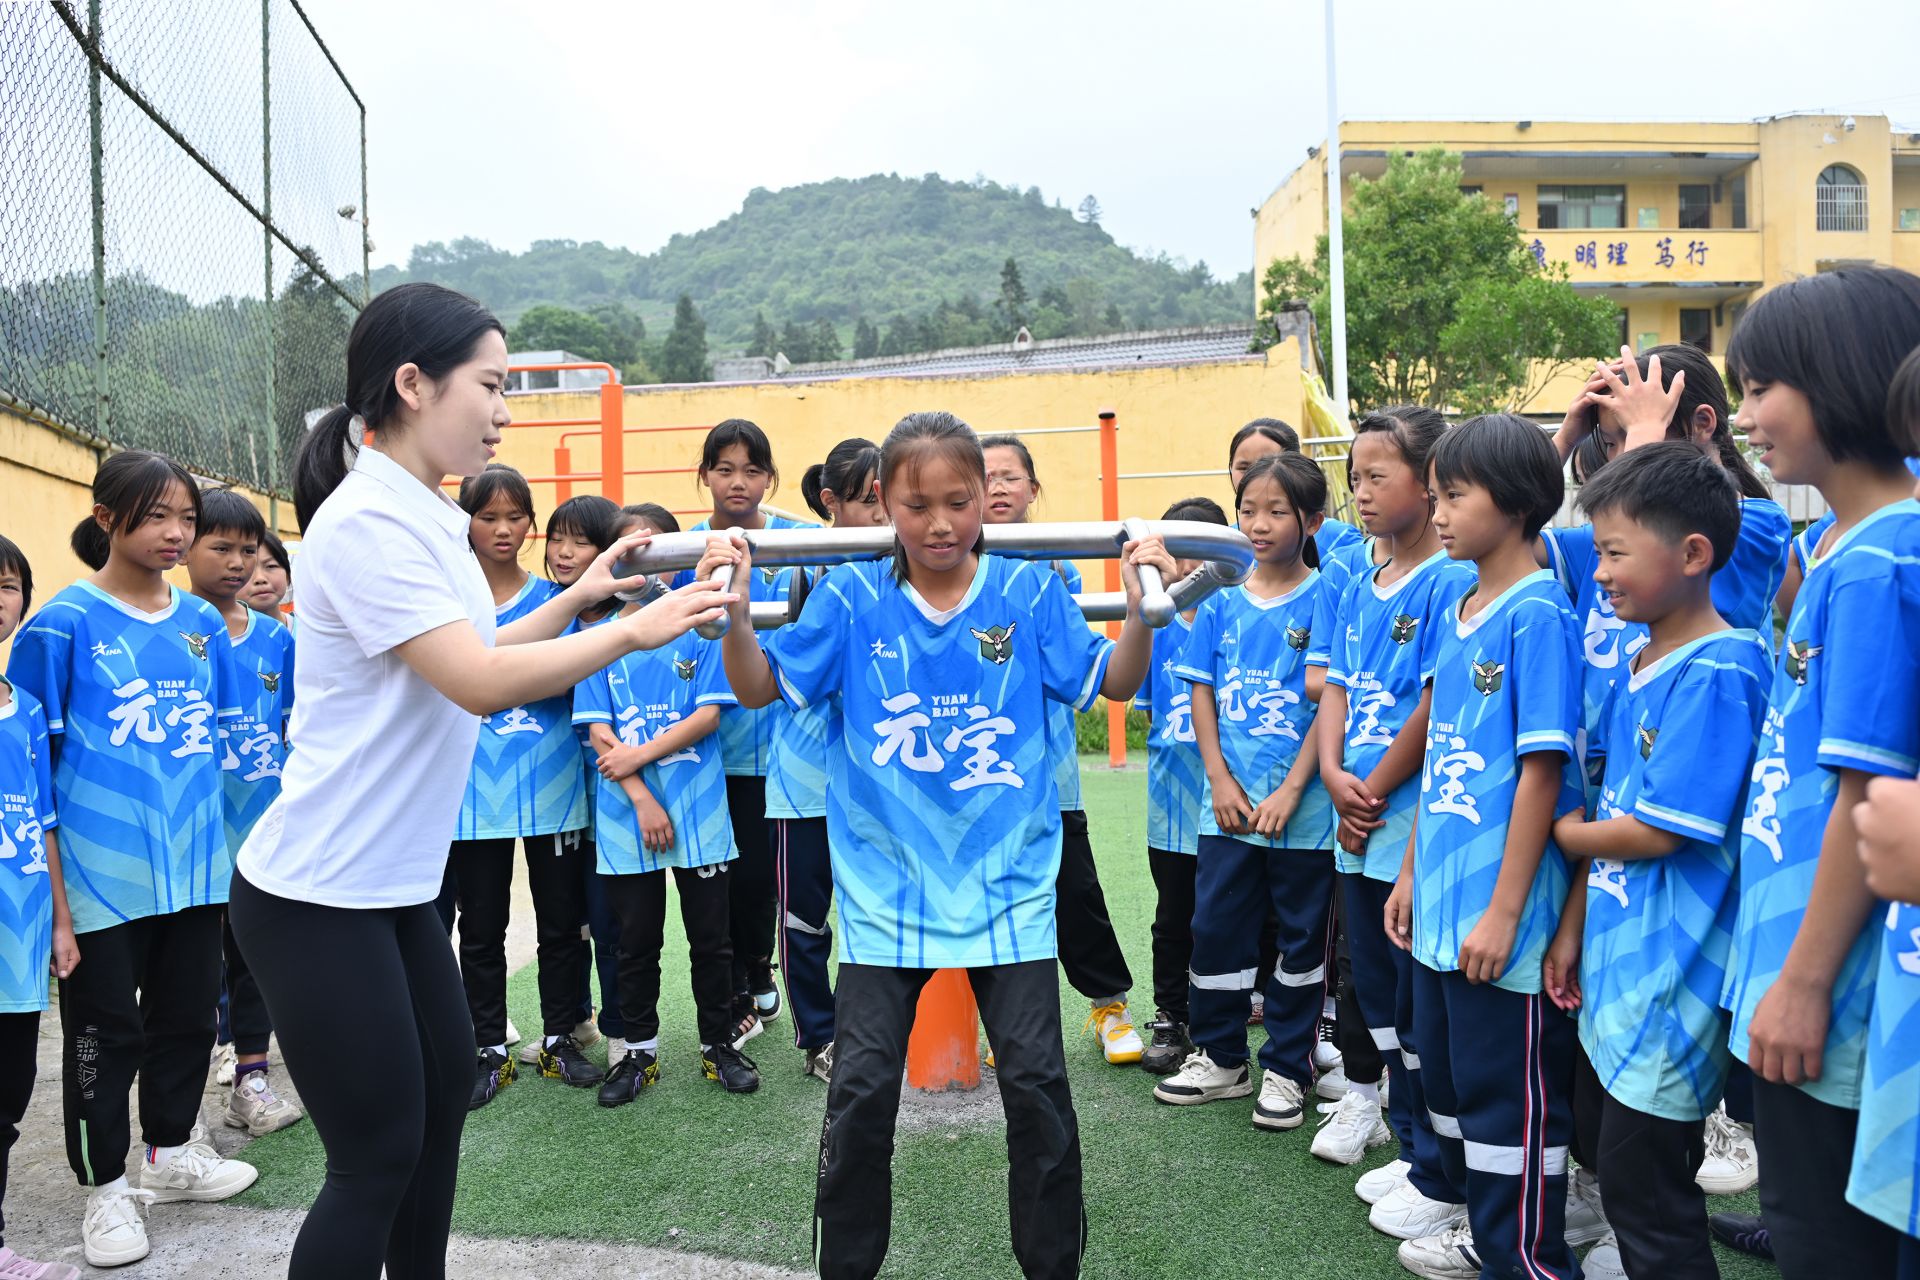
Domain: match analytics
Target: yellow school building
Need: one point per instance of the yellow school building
(1680, 226)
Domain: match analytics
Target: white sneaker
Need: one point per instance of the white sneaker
(1586, 1218)
(1354, 1128)
(616, 1051)
(1326, 1055)
(225, 1062)
(114, 1231)
(513, 1033)
(1199, 1079)
(1405, 1214)
(587, 1034)
(1732, 1165)
(1603, 1260)
(1445, 1255)
(1376, 1184)
(1331, 1083)
(196, 1172)
(1281, 1104)
(1112, 1025)
(255, 1107)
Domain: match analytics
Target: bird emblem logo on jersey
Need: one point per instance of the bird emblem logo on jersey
(1297, 637)
(683, 667)
(1488, 676)
(271, 680)
(198, 643)
(996, 643)
(1403, 625)
(1799, 656)
(1647, 735)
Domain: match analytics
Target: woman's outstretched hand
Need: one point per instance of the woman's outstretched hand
(676, 613)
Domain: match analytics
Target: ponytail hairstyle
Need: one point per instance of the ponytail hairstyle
(1272, 428)
(14, 560)
(498, 479)
(748, 436)
(1704, 390)
(1203, 509)
(653, 513)
(907, 448)
(1305, 485)
(425, 325)
(849, 470)
(1413, 428)
(128, 485)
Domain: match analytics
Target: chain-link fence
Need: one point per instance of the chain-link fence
(183, 237)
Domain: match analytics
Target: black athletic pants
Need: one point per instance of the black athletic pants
(750, 885)
(245, 1023)
(1360, 1057)
(335, 976)
(640, 902)
(1172, 928)
(853, 1200)
(1806, 1155)
(19, 1045)
(142, 1003)
(483, 870)
(1090, 954)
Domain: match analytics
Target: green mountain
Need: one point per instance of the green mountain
(922, 255)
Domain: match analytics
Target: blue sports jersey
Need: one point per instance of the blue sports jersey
(747, 733)
(1383, 641)
(1063, 739)
(1678, 741)
(1176, 780)
(1339, 569)
(526, 778)
(27, 815)
(136, 700)
(1743, 592)
(797, 765)
(1253, 655)
(1846, 695)
(255, 741)
(1333, 535)
(1505, 685)
(940, 800)
(641, 696)
(1886, 1150)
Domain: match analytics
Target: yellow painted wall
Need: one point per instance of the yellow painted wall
(47, 477)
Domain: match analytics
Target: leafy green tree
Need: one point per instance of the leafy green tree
(796, 343)
(1089, 211)
(547, 328)
(899, 339)
(626, 332)
(683, 358)
(1112, 321)
(826, 340)
(1445, 305)
(1013, 303)
(763, 341)
(866, 340)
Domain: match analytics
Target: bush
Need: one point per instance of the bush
(1091, 731)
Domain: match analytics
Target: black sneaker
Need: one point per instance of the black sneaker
(562, 1060)
(733, 1069)
(1743, 1233)
(766, 996)
(1170, 1045)
(629, 1076)
(496, 1072)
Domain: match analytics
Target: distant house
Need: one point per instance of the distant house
(551, 379)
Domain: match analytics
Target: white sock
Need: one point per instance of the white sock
(118, 1184)
(1371, 1092)
(552, 1041)
(500, 1049)
(160, 1157)
(653, 1046)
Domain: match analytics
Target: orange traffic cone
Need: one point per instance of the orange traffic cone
(944, 1050)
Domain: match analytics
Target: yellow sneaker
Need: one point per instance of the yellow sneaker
(1112, 1024)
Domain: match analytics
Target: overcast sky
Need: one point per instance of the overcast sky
(628, 122)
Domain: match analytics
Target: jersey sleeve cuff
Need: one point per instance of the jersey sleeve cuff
(1689, 825)
(723, 698)
(1096, 676)
(593, 717)
(1544, 740)
(1837, 753)
(1194, 675)
(788, 693)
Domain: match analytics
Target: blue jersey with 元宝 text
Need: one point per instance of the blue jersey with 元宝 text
(1176, 779)
(1886, 1151)
(255, 741)
(27, 819)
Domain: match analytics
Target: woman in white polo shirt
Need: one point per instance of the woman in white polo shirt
(333, 892)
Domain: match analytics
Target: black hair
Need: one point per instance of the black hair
(497, 480)
(1704, 389)
(847, 473)
(1016, 444)
(1510, 458)
(1674, 491)
(1272, 428)
(14, 560)
(1837, 338)
(1197, 509)
(128, 484)
(1588, 457)
(1305, 485)
(589, 518)
(1903, 405)
(748, 436)
(932, 432)
(426, 325)
(221, 509)
(1413, 428)
(654, 514)
(270, 545)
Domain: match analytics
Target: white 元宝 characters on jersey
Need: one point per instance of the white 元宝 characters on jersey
(1455, 765)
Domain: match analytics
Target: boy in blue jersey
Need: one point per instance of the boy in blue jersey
(1482, 883)
(660, 804)
(1642, 945)
(221, 565)
(35, 928)
(1844, 708)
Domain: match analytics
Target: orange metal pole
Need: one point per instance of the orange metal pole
(944, 1050)
(562, 466)
(613, 441)
(1110, 511)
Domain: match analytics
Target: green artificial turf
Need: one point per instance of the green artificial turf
(1170, 1191)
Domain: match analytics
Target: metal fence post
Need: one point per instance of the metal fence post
(271, 427)
(101, 401)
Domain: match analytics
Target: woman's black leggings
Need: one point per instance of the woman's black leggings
(392, 1136)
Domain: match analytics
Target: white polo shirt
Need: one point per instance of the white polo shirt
(371, 790)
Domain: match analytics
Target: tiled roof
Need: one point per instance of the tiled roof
(1204, 345)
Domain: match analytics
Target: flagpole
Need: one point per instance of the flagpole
(1336, 252)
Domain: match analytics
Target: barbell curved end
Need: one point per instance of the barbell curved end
(1158, 609)
(713, 630)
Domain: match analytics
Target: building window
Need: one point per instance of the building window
(1582, 207)
(1840, 200)
(1737, 193)
(1696, 206)
(1472, 189)
(1696, 327)
(1626, 334)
